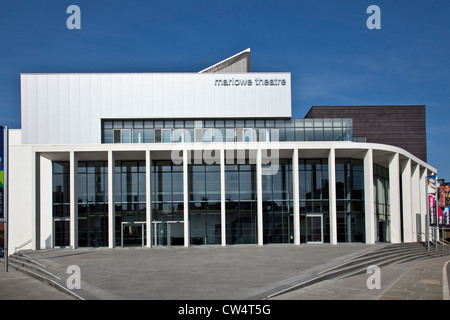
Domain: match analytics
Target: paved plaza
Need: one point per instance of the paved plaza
(228, 273)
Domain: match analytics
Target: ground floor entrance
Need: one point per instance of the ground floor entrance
(314, 228)
(168, 233)
(132, 234)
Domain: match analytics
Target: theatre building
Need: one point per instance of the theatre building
(208, 158)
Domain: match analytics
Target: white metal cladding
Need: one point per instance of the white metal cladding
(68, 108)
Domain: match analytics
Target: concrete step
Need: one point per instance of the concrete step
(388, 255)
(24, 264)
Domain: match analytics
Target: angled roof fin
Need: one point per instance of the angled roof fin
(240, 62)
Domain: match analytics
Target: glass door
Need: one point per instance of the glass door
(314, 228)
(168, 233)
(61, 231)
(132, 234)
(160, 233)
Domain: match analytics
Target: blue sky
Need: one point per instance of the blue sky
(333, 57)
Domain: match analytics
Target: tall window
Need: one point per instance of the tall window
(167, 191)
(350, 200)
(240, 195)
(314, 199)
(204, 204)
(382, 208)
(61, 203)
(129, 194)
(92, 203)
(219, 130)
(277, 205)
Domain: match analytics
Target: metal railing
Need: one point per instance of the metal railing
(433, 240)
(22, 245)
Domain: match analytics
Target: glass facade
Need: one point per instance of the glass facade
(382, 207)
(278, 218)
(167, 191)
(350, 200)
(240, 197)
(225, 130)
(314, 199)
(61, 203)
(204, 204)
(130, 200)
(92, 203)
(167, 203)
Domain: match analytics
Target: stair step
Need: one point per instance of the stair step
(389, 255)
(21, 262)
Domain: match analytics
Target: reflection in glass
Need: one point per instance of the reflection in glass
(240, 197)
(204, 204)
(92, 203)
(278, 225)
(350, 200)
(313, 188)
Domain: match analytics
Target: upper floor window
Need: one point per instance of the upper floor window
(226, 130)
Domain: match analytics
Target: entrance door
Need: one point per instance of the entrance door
(132, 234)
(382, 231)
(168, 233)
(61, 230)
(314, 228)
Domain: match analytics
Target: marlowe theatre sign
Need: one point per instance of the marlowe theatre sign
(247, 82)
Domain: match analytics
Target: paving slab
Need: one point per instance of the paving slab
(15, 285)
(203, 272)
(226, 273)
(415, 280)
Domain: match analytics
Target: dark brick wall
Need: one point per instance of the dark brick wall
(401, 126)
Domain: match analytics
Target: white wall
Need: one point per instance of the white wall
(67, 108)
(21, 194)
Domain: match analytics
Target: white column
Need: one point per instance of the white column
(111, 205)
(369, 198)
(73, 200)
(406, 201)
(186, 198)
(332, 195)
(423, 202)
(46, 203)
(222, 199)
(36, 216)
(259, 205)
(148, 197)
(415, 202)
(394, 198)
(296, 196)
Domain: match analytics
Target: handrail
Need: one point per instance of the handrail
(432, 239)
(22, 245)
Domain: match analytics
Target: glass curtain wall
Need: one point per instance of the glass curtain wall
(129, 195)
(204, 204)
(240, 197)
(167, 191)
(229, 130)
(278, 220)
(167, 203)
(350, 200)
(92, 203)
(61, 203)
(314, 198)
(382, 208)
